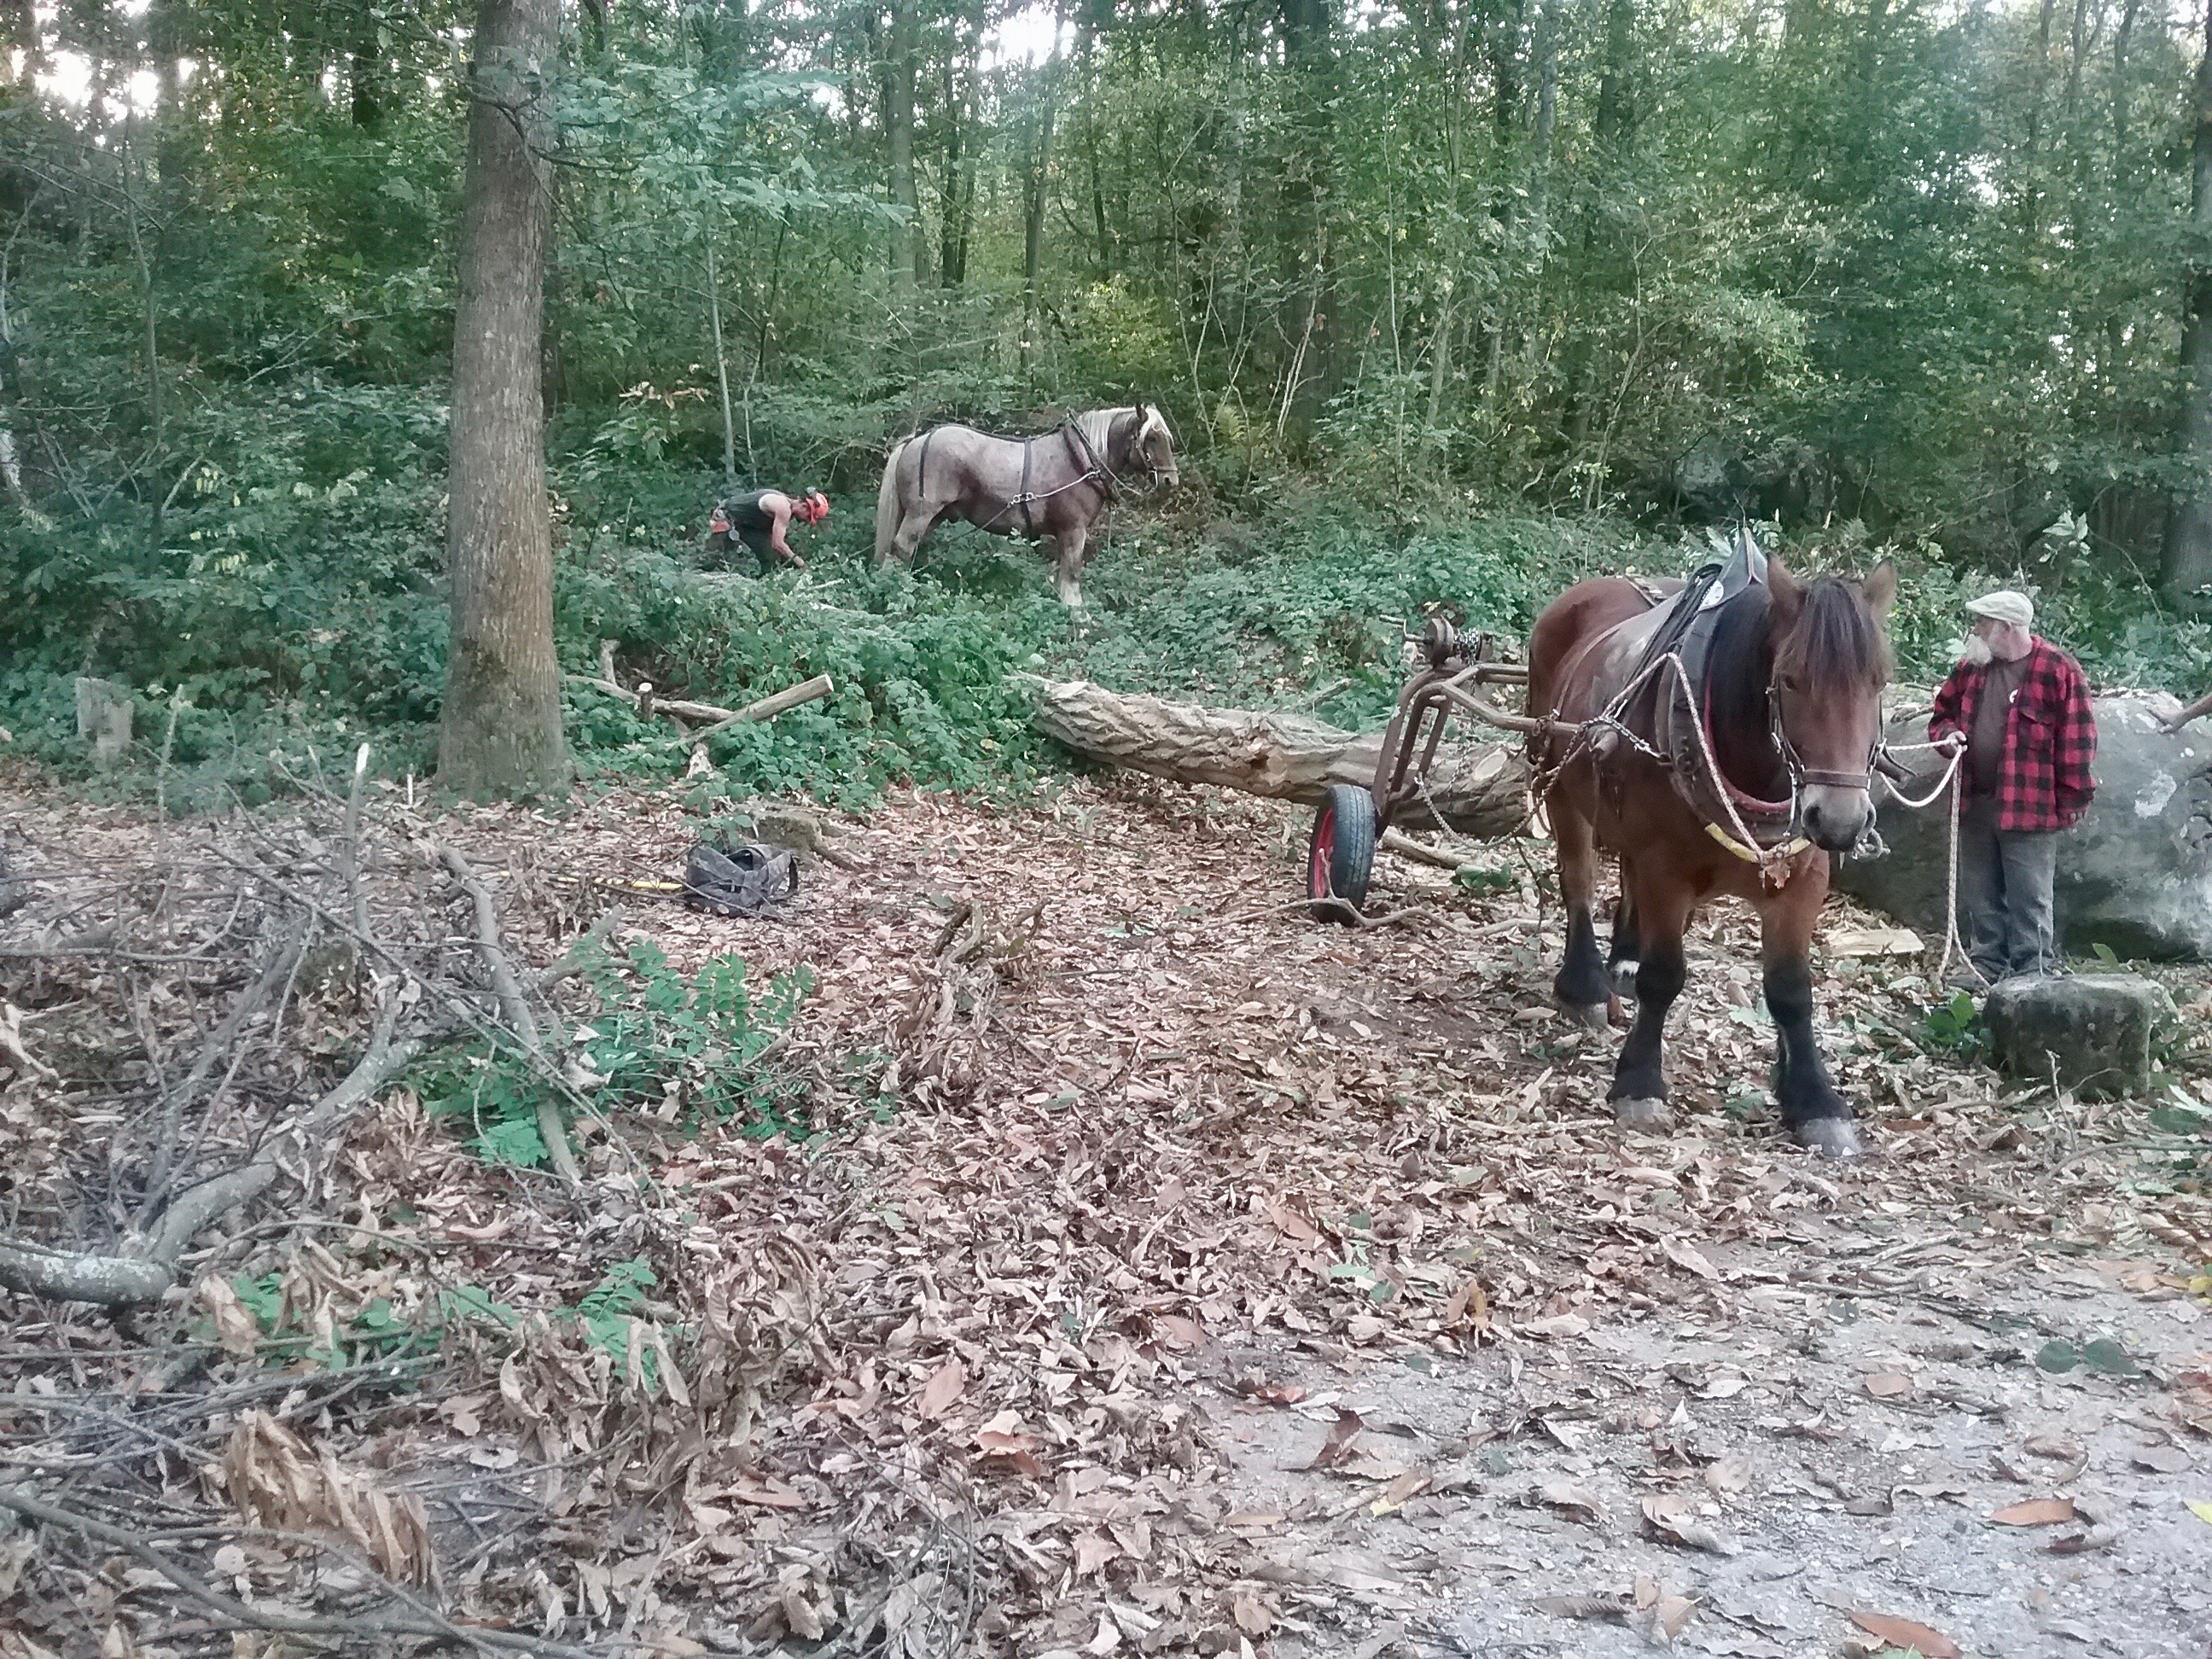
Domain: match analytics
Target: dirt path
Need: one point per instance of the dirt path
(1124, 1187)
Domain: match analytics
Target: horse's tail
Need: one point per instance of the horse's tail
(888, 509)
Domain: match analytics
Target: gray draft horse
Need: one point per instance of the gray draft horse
(1052, 487)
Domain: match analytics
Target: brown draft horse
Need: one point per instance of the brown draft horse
(1052, 487)
(1792, 702)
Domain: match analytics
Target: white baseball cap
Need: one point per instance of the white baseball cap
(2005, 606)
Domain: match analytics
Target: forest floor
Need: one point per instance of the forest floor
(1159, 1272)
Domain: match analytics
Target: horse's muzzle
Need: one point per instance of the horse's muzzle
(1834, 817)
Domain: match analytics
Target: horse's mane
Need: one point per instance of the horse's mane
(1837, 643)
(1099, 426)
(1737, 668)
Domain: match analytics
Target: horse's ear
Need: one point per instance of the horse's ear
(1785, 598)
(1880, 590)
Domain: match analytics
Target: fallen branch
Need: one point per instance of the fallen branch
(515, 1010)
(578, 955)
(146, 1275)
(1331, 908)
(770, 707)
(275, 972)
(1419, 852)
(11, 1045)
(646, 703)
(350, 847)
(2202, 706)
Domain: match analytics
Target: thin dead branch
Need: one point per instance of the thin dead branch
(515, 1009)
(276, 971)
(577, 956)
(237, 1615)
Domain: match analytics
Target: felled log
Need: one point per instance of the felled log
(1478, 787)
(2202, 706)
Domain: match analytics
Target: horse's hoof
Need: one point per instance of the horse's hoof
(1624, 980)
(1591, 1014)
(1829, 1137)
(1642, 1113)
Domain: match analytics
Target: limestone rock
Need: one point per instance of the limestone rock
(2134, 875)
(2092, 1031)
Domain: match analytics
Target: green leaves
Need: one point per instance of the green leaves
(687, 1050)
(2103, 1355)
(1952, 1027)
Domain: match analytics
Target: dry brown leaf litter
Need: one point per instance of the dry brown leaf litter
(953, 1371)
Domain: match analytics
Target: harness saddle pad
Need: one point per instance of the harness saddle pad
(1661, 714)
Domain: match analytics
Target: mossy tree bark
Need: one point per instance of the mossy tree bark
(501, 733)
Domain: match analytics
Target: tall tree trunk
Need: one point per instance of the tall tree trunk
(2122, 39)
(501, 733)
(1098, 205)
(1033, 207)
(2185, 568)
(1310, 49)
(11, 466)
(1611, 117)
(898, 135)
(1505, 31)
(1611, 125)
(951, 230)
(722, 357)
(2030, 201)
(1547, 105)
(361, 68)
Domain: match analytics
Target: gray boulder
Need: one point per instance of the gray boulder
(2090, 1031)
(2134, 875)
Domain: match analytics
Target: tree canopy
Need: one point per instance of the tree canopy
(1919, 269)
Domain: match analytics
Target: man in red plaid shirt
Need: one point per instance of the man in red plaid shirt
(2019, 706)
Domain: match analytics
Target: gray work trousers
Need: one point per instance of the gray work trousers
(2006, 879)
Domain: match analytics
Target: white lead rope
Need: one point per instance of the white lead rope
(1955, 747)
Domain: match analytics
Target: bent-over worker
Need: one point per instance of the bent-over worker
(759, 520)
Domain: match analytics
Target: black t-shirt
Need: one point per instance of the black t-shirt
(1986, 738)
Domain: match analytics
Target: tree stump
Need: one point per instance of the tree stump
(2090, 1031)
(103, 719)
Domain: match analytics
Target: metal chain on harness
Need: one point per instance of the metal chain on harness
(1772, 861)
(1095, 471)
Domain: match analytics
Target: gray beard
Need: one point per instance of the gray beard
(1977, 653)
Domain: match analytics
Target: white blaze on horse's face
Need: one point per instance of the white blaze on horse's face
(1156, 445)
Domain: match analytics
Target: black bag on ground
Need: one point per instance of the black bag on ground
(747, 880)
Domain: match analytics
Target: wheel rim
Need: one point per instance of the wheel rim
(1319, 883)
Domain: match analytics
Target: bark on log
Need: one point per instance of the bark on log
(1478, 787)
